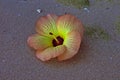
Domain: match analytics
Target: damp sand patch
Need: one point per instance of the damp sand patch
(118, 27)
(76, 3)
(96, 32)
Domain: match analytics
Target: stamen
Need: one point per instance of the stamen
(54, 37)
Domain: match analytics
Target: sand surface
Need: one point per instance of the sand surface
(98, 59)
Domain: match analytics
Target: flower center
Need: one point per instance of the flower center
(59, 42)
(56, 40)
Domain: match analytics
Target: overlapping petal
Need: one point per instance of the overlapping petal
(39, 42)
(67, 23)
(50, 52)
(72, 43)
(47, 24)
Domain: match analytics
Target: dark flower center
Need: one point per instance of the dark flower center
(56, 40)
(60, 41)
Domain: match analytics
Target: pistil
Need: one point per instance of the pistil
(54, 37)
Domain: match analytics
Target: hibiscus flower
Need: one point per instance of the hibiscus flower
(57, 36)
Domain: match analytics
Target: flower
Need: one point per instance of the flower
(57, 36)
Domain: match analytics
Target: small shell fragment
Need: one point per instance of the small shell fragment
(39, 10)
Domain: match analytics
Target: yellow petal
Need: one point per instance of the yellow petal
(50, 52)
(67, 23)
(72, 43)
(46, 25)
(39, 42)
